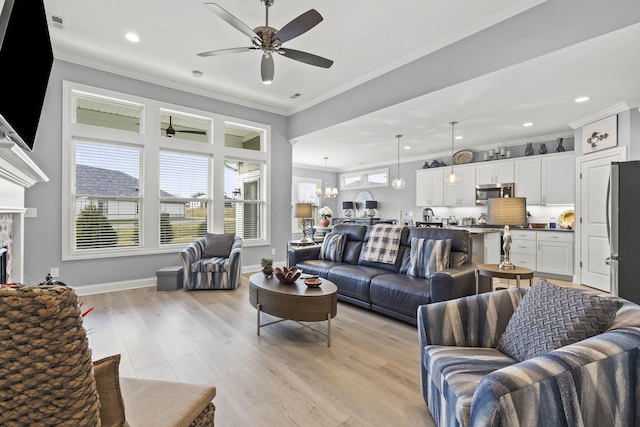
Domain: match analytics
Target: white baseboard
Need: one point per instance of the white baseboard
(135, 284)
(115, 286)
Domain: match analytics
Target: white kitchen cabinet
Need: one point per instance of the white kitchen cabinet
(558, 179)
(523, 248)
(546, 180)
(554, 252)
(527, 179)
(464, 192)
(494, 172)
(430, 187)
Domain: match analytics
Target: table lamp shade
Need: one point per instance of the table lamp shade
(303, 210)
(507, 211)
(371, 204)
(347, 205)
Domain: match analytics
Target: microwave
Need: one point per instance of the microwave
(492, 191)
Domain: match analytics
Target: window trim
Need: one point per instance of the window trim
(151, 144)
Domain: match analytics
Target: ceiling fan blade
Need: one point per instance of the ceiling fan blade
(195, 132)
(267, 69)
(227, 51)
(298, 26)
(233, 21)
(307, 58)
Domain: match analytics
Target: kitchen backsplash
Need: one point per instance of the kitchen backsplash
(542, 214)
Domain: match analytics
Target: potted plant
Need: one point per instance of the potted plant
(325, 212)
(267, 266)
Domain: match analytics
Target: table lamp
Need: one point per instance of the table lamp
(348, 209)
(371, 206)
(507, 211)
(303, 210)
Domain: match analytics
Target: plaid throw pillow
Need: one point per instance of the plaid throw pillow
(428, 256)
(218, 245)
(332, 247)
(551, 316)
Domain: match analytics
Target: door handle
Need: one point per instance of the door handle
(607, 260)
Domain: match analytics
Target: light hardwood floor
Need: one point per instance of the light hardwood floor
(285, 377)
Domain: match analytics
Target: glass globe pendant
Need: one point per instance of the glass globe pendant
(398, 183)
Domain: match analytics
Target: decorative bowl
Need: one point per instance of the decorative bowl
(313, 282)
(286, 275)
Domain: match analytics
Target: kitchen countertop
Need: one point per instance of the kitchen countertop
(483, 230)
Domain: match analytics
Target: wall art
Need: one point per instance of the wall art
(600, 135)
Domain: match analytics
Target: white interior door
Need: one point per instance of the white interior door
(594, 243)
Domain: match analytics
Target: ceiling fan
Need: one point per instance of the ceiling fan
(269, 40)
(170, 131)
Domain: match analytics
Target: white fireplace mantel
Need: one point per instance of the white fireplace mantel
(17, 172)
(17, 167)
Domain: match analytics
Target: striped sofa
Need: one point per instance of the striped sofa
(211, 273)
(466, 381)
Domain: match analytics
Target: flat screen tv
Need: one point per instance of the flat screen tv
(26, 58)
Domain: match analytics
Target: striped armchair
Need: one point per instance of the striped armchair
(211, 273)
(466, 381)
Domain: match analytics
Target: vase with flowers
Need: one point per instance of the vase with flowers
(326, 213)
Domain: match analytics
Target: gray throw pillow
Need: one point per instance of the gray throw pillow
(551, 316)
(428, 256)
(217, 245)
(332, 247)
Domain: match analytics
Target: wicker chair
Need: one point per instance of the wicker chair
(47, 376)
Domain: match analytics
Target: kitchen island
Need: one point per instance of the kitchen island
(485, 244)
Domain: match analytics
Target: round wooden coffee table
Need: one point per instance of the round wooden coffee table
(296, 301)
(493, 270)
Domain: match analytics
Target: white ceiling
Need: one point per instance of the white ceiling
(366, 39)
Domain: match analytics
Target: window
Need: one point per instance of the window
(304, 190)
(143, 177)
(189, 128)
(365, 179)
(107, 196)
(184, 197)
(243, 137)
(108, 113)
(245, 209)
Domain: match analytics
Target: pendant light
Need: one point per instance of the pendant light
(452, 178)
(329, 193)
(398, 183)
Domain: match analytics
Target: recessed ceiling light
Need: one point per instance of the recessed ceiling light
(459, 137)
(581, 99)
(132, 37)
(196, 73)
(407, 147)
(527, 124)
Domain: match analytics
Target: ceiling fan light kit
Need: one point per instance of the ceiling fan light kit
(269, 40)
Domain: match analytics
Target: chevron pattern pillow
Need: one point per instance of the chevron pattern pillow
(332, 247)
(551, 316)
(218, 245)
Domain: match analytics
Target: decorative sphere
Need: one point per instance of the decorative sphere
(398, 183)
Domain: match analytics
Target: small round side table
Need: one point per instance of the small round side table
(494, 271)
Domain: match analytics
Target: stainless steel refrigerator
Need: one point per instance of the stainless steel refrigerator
(623, 226)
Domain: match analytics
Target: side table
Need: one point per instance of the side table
(493, 271)
(296, 244)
